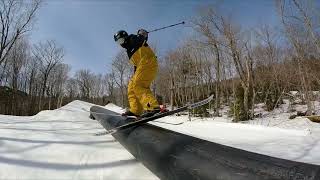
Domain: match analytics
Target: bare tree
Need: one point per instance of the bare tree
(307, 11)
(72, 88)
(85, 80)
(270, 74)
(227, 41)
(97, 88)
(110, 85)
(33, 72)
(56, 83)
(49, 54)
(18, 57)
(16, 17)
(239, 49)
(121, 69)
(208, 25)
(299, 39)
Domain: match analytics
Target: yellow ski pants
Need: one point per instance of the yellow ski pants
(139, 94)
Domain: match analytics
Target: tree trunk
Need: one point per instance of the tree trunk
(245, 101)
(171, 92)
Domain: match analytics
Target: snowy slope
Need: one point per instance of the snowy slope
(59, 144)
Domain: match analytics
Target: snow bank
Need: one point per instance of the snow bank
(114, 108)
(59, 144)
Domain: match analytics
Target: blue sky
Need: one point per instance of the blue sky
(85, 28)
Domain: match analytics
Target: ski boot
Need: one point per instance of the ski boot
(130, 115)
(150, 113)
(157, 110)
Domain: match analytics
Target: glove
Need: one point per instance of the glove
(144, 33)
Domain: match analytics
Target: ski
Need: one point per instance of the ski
(179, 123)
(157, 116)
(174, 124)
(116, 115)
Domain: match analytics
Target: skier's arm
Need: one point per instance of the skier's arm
(138, 41)
(133, 43)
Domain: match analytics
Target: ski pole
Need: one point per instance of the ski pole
(166, 27)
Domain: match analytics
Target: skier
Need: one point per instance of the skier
(141, 101)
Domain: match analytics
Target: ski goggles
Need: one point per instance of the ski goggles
(120, 41)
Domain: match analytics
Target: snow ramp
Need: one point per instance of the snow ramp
(172, 155)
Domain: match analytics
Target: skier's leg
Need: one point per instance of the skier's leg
(135, 106)
(142, 81)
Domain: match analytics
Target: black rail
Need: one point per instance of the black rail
(172, 155)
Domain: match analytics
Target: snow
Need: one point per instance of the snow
(114, 108)
(59, 144)
(297, 145)
(273, 134)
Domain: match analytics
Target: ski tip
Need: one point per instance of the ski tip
(211, 96)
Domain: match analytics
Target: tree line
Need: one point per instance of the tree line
(240, 66)
(245, 66)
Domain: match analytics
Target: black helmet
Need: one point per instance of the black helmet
(120, 36)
